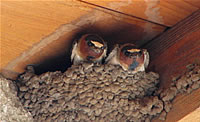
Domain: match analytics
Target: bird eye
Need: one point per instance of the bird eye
(90, 44)
(103, 48)
(140, 52)
(127, 53)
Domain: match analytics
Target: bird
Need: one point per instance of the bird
(129, 57)
(89, 48)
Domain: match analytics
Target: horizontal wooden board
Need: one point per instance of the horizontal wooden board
(25, 23)
(166, 12)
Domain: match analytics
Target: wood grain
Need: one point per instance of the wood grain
(166, 12)
(192, 117)
(170, 53)
(193, 3)
(25, 23)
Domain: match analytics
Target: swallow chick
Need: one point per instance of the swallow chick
(129, 58)
(89, 48)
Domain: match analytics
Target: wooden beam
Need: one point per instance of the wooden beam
(192, 117)
(170, 53)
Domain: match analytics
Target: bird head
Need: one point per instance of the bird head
(92, 47)
(130, 57)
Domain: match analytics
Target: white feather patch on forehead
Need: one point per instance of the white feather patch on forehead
(134, 50)
(97, 44)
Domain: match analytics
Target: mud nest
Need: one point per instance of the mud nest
(89, 92)
(11, 110)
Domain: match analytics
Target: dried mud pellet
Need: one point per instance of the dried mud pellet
(195, 86)
(26, 103)
(98, 112)
(147, 120)
(82, 95)
(190, 66)
(21, 94)
(167, 106)
(101, 102)
(23, 88)
(35, 91)
(114, 88)
(124, 94)
(98, 105)
(126, 108)
(86, 109)
(93, 101)
(35, 85)
(48, 119)
(124, 88)
(110, 96)
(99, 96)
(169, 94)
(89, 94)
(162, 115)
(195, 77)
(128, 112)
(119, 116)
(27, 95)
(87, 65)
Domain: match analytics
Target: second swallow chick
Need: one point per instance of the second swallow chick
(129, 57)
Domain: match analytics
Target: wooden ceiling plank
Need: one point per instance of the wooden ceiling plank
(165, 12)
(182, 5)
(195, 3)
(27, 21)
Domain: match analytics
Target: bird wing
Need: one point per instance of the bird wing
(105, 51)
(146, 59)
(74, 48)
